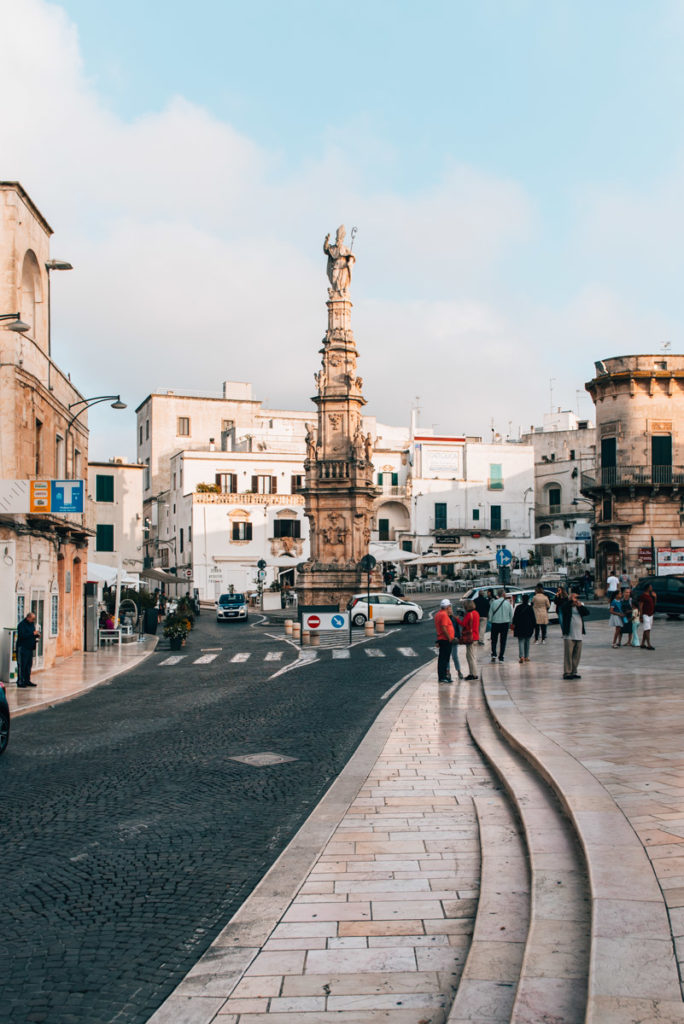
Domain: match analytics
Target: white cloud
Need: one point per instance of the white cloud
(198, 257)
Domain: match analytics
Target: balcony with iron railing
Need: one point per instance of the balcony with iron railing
(438, 526)
(391, 491)
(546, 510)
(611, 477)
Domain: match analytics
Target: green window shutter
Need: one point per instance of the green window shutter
(379, 479)
(104, 537)
(395, 479)
(104, 488)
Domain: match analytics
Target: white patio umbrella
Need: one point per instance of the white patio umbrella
(553, 539)
(394, 554)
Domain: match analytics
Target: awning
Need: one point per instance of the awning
(159, 576)
(394, 554)
(107, 574)
(553, 539)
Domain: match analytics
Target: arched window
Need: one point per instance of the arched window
(31, 293)
(553, 494)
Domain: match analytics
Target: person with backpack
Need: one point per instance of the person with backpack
(500, 618)
(524, 623)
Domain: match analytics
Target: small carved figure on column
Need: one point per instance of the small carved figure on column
(321, 379)
(358, 442)
(310, 443)
(340, 260)
(369, 447)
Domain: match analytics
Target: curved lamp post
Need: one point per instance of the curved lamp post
(87, 403)
(18, 324)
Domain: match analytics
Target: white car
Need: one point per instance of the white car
(385, 607)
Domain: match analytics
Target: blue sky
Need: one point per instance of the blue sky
(514, 169)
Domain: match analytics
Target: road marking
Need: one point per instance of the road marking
(205, 659)
(305, 658)
(408, 652)
(340, 654)
(173, 660)
(204, 649)
(273, 656)
(373, 652)
(241, 657)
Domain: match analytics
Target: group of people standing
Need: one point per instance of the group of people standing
(626, 615)
(452, 631)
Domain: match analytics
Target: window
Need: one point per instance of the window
(607, 509)
(440, 515)
(264, 485)
(189, 534)
(140, 434)
(383, 529)
(227, 482)
(495, 517)
(287, 528)
(147, 475)
(38, 439)
(495, 477)
(380, 475)
(407, 545)
(661, 458)
(104, 488)
(181, 539)
(54, 614)
(60, 457)
(183, 427)
(476, 514)
(608, 460)
(77, 464)
(104, 537)
(554, 499)
(242, 531)
(173, 485)
(147, 430)
(296, 483)
(572, 454)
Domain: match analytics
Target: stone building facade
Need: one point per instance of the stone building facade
(638, 484)
(43, 558)
(115, 514)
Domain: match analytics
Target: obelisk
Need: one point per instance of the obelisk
(339, 489)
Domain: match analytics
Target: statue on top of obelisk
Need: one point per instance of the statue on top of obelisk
(340, 260)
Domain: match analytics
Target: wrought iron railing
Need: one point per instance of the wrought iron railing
(633, 476)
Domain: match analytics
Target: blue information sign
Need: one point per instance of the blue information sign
(66, 496)
(503, 557)
(337, 621)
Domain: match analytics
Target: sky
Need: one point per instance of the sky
(514, 169)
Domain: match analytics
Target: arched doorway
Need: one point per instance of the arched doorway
(608, 560)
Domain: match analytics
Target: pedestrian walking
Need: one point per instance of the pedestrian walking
(540, 607)
(445, 639)
(27, 640)
(457, 639)
(470, 632)
(500, 618)
(617, 620)
(647, 606)
(482, 607)
(572, 614)
(612, 587)
(524, 625)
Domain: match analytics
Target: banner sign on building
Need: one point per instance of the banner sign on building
(56, 497)
(670, 561)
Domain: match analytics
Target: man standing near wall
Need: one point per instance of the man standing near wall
(27, 638)
(445, 639)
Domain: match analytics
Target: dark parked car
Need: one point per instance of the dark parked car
(4, 719)
(669, 592)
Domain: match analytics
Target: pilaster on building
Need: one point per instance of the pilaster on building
(45, 556)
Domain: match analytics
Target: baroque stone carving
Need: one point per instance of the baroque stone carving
(340, 262)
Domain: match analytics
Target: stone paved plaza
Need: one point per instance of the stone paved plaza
(510, 852)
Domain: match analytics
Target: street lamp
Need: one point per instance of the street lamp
(18, 324)
(53, 265)
(87, 403)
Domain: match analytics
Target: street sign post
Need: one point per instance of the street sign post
(503, 557)
(367, 564)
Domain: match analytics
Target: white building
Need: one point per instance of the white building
(115, 514)
(470, 497)
(564, 448)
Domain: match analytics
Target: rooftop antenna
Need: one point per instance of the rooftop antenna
(666, 346)
(353, 236)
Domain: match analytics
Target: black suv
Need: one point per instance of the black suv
(669, 591)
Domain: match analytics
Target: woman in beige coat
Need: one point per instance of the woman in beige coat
(540, 605)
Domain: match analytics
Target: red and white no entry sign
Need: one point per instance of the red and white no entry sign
(313, 622)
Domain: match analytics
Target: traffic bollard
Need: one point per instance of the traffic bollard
(288, 627)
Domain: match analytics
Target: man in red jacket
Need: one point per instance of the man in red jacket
(445, 638)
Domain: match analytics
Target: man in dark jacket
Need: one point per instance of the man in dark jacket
(27, 638)
(571, 615)
(482, 608)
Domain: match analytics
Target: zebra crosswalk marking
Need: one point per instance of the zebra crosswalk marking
(340, 654)
(273, 656)
(205, 659)
(408, 652)
(373, 652)
(243, 656)
(173, 660)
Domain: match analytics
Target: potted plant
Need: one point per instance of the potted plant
(176, 630)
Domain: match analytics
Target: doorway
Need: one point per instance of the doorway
(38, 609)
